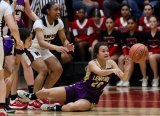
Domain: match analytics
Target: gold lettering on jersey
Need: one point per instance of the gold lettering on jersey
(101, 78)
(97, 84)
(20, 7)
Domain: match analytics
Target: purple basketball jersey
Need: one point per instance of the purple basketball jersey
(90, 88)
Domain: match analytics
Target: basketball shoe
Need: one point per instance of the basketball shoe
(18, 105)
(51, 107)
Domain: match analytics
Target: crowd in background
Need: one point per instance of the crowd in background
(119, 23)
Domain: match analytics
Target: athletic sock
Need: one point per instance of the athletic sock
(13, 97)
(2, 105)
(30, 88)
(33, 96)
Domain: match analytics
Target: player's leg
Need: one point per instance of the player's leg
(80, 105)
(28, 75)
(9, 67)
(56, 93)
(55, 71)
(66, 58)
(2, 82)
(40, 66)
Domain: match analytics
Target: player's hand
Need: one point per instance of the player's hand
(117, 72)
(19, 45)
(61, 49)
(70, 47)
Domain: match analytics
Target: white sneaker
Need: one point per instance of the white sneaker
(23, 95)
(144, 82)
(119, 84)
(125, 84)
(155, 82)
(50, 107)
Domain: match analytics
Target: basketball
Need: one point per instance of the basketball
(138, 52)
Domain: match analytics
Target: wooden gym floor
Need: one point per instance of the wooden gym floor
(116, 101)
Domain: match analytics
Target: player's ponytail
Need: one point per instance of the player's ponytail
(47, 7)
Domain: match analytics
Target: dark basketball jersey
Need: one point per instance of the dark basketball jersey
(128, 40)
(90, 88)
(153, 42)
(113, 40)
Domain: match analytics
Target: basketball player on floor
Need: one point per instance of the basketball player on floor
(83, 95)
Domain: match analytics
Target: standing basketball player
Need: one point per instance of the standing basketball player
(22, 7)
(39, 57)
(6, 15)
(83, 95)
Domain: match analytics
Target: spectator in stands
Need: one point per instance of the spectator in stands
(153, 40)
(98, 24)
(131, 37)
(144, 24)
(112, 5)
(112, 37)
(82, 30)
(121, 23)
(136, 6)
(88, 4)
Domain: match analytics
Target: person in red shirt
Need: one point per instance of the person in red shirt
(144, 21)
(121, 23)
(82, 30)
(98, 24)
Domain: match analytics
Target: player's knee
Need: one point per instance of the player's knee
(43, 70)
(58, 70)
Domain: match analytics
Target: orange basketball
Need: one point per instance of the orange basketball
(138, 52)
